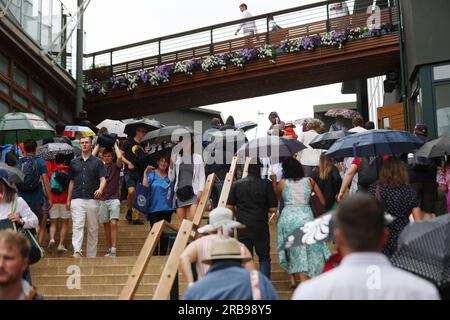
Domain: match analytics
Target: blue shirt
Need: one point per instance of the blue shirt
(227, 280)
(36, 197)
(161, 193)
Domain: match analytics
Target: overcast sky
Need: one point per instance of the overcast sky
(110, 23)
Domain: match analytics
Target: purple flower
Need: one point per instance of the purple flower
(310, 43)
(165, 70)
(119, 82)
(226, 57)
(143, 76)
(248, 54)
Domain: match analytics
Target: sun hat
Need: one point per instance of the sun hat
(220, 217)
(225, 249)
(290, 124)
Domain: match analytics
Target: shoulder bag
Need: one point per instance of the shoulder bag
(142, 197)
(317, 207)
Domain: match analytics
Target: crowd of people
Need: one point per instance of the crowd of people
(88, 190)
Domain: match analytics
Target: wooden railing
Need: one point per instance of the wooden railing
(170, 270)
(229, 179)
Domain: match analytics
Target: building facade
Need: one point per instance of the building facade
(31, 80)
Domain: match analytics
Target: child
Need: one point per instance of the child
(59, 183)
(110, 201)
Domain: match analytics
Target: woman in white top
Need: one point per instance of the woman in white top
(12, 207)
(188, 172)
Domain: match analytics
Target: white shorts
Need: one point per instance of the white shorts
(59, 211)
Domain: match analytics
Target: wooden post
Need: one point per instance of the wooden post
(167, 279)
(228, 183)
(247, 163)
(142, 261)
(204, 200)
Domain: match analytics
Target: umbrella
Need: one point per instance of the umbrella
(132, 125)
(15, 175)
(113, 126)
(18, 127)
(424, 249)
(435, 149)
(71, 131)
(320, 229)
(224, 145)
(51, 150)
(346, 113)
(326, 140)
(271, 146)
(375, 143)
(246, 126)
(167, 134)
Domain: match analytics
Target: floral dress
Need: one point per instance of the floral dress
(309, 259)
(443, 179)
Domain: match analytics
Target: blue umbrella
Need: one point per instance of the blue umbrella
(375, 143)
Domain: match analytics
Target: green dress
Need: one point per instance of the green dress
(309, 259)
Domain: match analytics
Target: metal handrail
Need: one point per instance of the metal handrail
(208, 28)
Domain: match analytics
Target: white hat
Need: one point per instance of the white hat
(220, 217)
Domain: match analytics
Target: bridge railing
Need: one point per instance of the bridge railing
(296, 22)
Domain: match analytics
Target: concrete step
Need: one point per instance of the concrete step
(91, 270)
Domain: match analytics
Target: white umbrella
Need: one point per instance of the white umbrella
(113, 126)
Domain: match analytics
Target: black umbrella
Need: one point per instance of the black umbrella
(424, 249)
(271, 146)
(435, 149)
(167, 134)
(326, 140)
(224, 145)
(15, 176)
(375, 143)
(132, 125)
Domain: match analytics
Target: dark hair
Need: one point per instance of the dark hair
(254, 168)
(9, 193)
(61, 159)
(108, 150)
(243, 5)
(30, 145)
(59, 128)
(292, 169)
(370, 125)
(358, 121)
(360, 218)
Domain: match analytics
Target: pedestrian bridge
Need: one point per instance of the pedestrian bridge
(317, 45)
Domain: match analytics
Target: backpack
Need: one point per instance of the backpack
(59, 182)
(32, 179)
(369, 171)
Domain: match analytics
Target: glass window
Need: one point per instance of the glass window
(20, 77)
(38, 111)
(67, 114)
(52, 104)
(441, 72)
(38, 92)
(20, 99)
(51, 122)
(4, 64)
(3, 108)
(442, 96)
(4, 87)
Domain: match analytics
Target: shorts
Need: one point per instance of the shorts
(59, 211)
(37, 210)
(131, 180)
(427, 195)
(109, 210)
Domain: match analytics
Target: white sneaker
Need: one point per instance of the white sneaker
(61, 248)
(51, 244)
(112, 253)
(77, 255)
(108, 253)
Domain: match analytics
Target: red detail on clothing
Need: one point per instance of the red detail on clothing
(290, 132)
(52, 166)
(333, 262)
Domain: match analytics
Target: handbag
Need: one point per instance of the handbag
(36, 252)
(317, 207)
(142, 197)
(185, 193)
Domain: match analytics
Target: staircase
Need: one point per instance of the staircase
(103, 278)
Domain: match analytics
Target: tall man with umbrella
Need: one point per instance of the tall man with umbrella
(132, 173)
